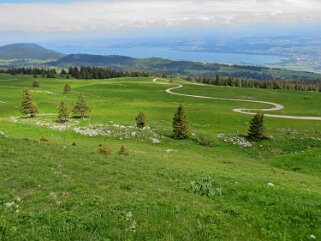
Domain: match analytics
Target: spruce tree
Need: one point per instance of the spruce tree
(63, 112)
(81, 107)
(141, 120)
(180, 124)
(67, 88)
(28, 105)
(256, 130)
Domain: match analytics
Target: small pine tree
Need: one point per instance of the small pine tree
(141, 120)
(67, 88)
(35, 84)
(256, 130)
(180, 124)
(63, 112)
(81, 107)
(28, 105)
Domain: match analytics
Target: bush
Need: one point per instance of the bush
(205, 141)
(74, 144)
(44, 139)
(141, 120)
(205, 187)
(104, 149)
(35, 84)
(67, 88)
(123, 151)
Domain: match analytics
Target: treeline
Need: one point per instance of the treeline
(101, 73)
(45, 73)
(79, 73)
(268, 84)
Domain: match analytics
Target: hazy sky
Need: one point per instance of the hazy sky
(24, 19)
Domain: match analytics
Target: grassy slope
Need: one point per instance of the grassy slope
(73, 193)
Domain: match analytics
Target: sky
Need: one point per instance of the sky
(27, 20)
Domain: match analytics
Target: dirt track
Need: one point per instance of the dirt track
(275, 106)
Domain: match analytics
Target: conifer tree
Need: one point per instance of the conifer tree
(81, 107)
(256, 130)
(63, 112)
(67, 88)
(28, 105)
(141, 120)
(35, 84)
(180, 124)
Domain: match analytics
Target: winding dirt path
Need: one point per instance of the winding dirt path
(275, 106)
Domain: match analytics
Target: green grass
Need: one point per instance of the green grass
(74, 193)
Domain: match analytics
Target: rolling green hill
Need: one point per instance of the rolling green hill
(27, 51)
(56, 185)
(184, 68)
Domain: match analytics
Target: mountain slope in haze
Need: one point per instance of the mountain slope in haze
(93, 60)
(27, 51)
(183, 68)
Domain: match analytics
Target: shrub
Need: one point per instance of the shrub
(35, 84)
(123, 151)
(67, 88)
(74, 144)
(205, 187)
(180, 124)
(205, 141)
(141, 120)
(104, 149)
(44, 139)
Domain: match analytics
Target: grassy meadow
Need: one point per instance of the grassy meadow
(63, 189)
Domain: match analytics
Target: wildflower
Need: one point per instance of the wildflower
(128, 215)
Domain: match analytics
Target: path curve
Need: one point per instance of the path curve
(275, 107)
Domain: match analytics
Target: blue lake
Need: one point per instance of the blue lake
(147, 52)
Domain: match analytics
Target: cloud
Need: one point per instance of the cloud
(141, 14)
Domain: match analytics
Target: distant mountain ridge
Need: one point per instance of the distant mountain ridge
(27, 51)
(23, 55)
(93, 60)
(183, 68)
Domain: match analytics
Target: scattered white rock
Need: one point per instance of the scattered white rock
(98, 129)
(169, 150)
(270, 184)
(235, 140)
(42, 91)
(313, 237)
(155, 141)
